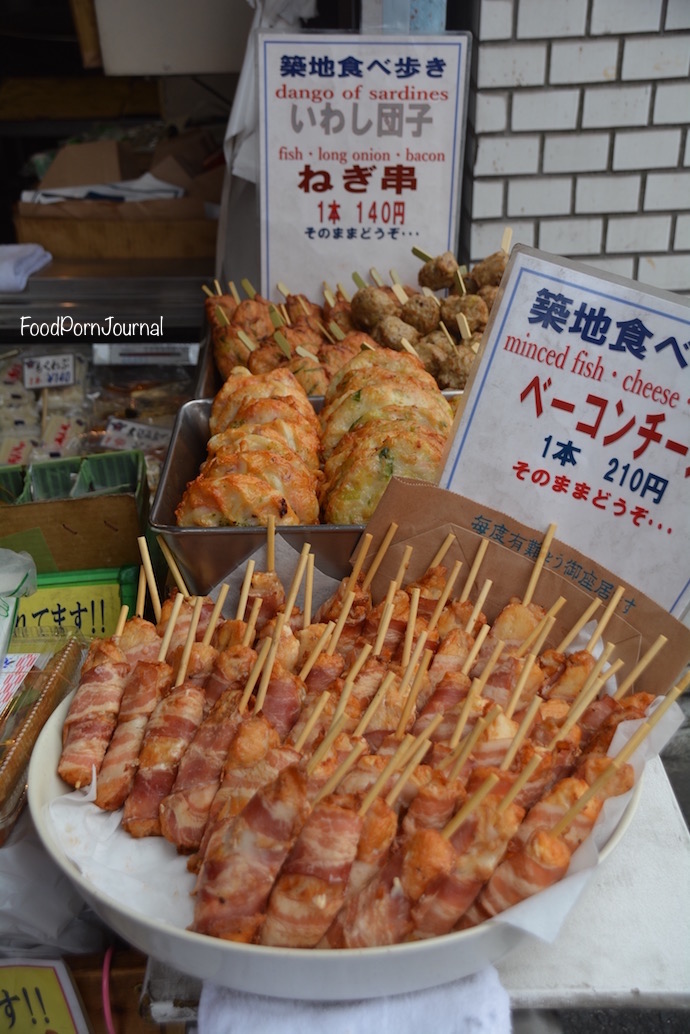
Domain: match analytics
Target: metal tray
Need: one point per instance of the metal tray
(207, 555)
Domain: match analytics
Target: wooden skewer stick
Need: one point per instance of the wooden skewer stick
(408, 347)
(413, 763)
(349, 683)
(173, 567)
(605, 618)
(464, 715)
(376, 277)
(475, 648)
(578, 626)
(222, 316)
(189, 643)
(415, 689)
(308, 591)
(219, 289)
(459, 282)
(246, 341)
(297, 580)
(469, 806)
(442, 550)
(400, 293)
(233, 291)
(411, 626)
(474, 570)
(170, 627)
(150, 577)
(340, 623)
(311, 721)
(121, 620)
(525, 672)
(404, 564)
(463, 326)
(380, 553)
(341, 771)
(470, 742)
(506, 239)
(443, 598)
(254, 675)
(488, 668)
(267, 670)
(582, 701)
(621, 757)
(343, 293)
(316, 650)
(360, 282)
(141, 593)
(521, 781)
(394, 762)
(539, 564)
(249, 290)
(244, 591)
(643, 663)
(325, 745)
(519, 737)
(386, 617)
(537, 636)
(207, 291)
(271, 543)
(477, 609)
(538, 633)
(423, 255)
(248, 637)
(215, 614)
(374, 705)
(362, 549)
(411, 665)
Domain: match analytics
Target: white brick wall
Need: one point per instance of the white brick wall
(583, 61)
(625, 16)
(581, 133)
(607, 194)
(566, 19)
(647, 149)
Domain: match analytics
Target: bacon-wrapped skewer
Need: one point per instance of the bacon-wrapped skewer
(92, 714)
(239, 869)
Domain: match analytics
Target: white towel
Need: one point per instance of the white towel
(18, 262)
(477, 1004)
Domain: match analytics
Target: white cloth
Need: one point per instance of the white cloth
(18, 262)
(477, 1004)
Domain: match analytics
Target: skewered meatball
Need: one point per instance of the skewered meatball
(491, 269)
(423, 312)
(390, 331)
(370, 305)
(474, 309)
(438, 272)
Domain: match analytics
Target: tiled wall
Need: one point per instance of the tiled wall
(578, 133)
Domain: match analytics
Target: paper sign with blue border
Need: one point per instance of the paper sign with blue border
(361, 148)
(577, 414)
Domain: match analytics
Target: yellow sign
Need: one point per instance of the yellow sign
(86, 602)
(39, 997)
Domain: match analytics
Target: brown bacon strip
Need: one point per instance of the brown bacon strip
(168, 734)
(92, 714)
(145, 687)
(239, 868)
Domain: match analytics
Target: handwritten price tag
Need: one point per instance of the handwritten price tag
(48, 371)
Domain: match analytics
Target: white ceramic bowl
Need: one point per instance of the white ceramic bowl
(317, 975)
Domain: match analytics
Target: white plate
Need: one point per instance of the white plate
(316, 975)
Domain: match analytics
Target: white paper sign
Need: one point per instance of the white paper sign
(578, 415)
(361, 154)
